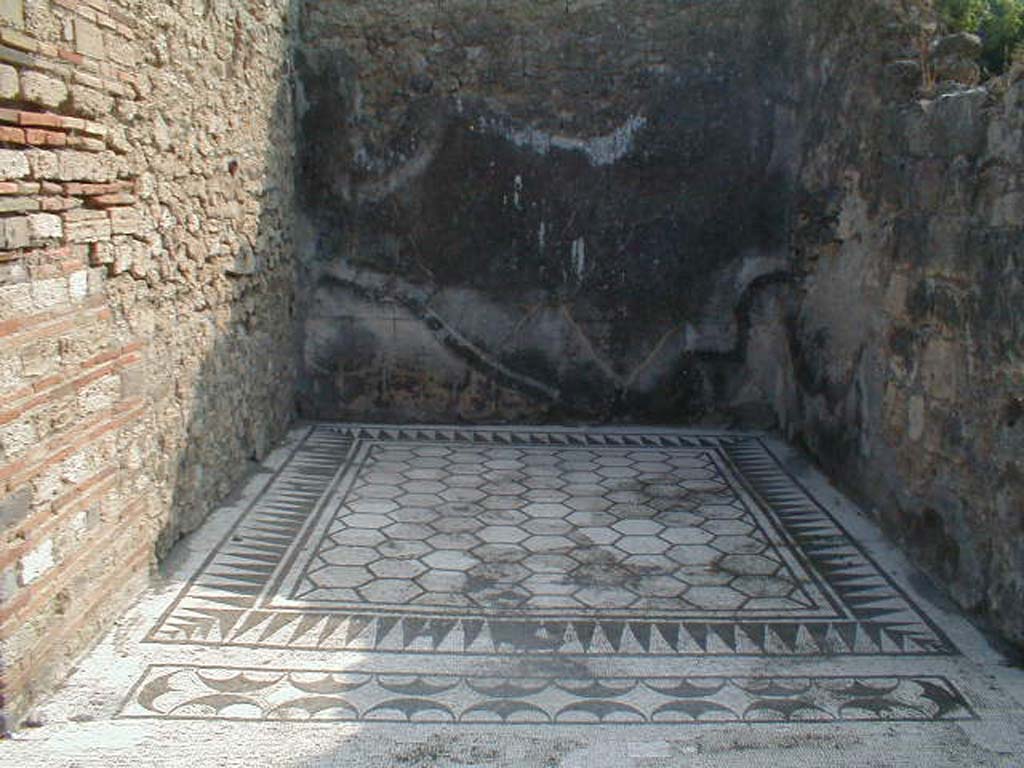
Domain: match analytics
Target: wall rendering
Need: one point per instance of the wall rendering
(541, 210)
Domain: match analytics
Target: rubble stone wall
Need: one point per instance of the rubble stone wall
(146, 295)
(907, 346)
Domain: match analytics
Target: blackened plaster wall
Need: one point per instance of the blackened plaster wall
(540, 210)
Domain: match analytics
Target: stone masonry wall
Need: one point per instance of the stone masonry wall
(145, 295)
(908, 346)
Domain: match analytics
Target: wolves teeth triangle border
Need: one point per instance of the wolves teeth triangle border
(332, 631)
(220, 605)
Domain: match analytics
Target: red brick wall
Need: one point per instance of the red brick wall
(144, 271)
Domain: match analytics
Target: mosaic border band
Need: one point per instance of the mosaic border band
(231, 693)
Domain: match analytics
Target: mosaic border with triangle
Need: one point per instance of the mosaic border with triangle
(223, 603)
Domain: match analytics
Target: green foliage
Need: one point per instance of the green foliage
(999, 23)
(963, 15)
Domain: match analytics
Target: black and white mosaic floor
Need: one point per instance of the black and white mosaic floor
(413, 578)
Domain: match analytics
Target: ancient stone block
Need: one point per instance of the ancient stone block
(88, 231)
(90, 102)
(15, 507)
(45, 226)
(89, 39)
(44, 163)
(124, 221)
(43, 89)
(84, 166)
(16, 232)
(13, 12)
(101, 253)
(8, 82)
(85, 214)
(13, 164)
(18, 204)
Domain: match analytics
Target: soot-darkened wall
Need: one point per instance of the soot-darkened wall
(543, 210)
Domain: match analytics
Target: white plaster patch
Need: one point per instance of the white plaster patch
(599, 150)
(37, 562)
(78, 285)
(579, 258)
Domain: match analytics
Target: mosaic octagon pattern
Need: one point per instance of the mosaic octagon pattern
(486, 554)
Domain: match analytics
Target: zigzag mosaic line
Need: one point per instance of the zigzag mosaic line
(552, 437)
(238, 570)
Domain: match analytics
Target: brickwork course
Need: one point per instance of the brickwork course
(145, 296)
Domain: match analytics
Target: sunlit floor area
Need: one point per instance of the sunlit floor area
(452, 596)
